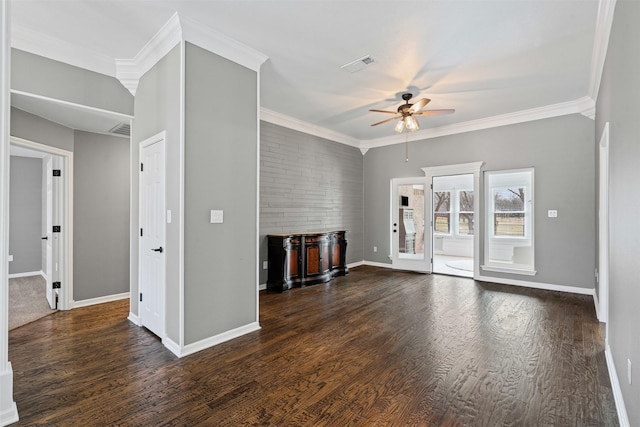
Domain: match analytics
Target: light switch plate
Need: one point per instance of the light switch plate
(217, 216)
(552, 213)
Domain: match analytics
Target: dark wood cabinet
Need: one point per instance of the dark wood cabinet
(302, 259)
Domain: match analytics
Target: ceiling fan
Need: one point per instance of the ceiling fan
(406, 112)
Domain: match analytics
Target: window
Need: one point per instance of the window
(508, 212)
(442, 212)
(509, 238)
(465, 213)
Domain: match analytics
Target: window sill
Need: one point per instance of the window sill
(510, 270)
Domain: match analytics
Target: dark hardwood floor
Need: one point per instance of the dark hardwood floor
(375, 348)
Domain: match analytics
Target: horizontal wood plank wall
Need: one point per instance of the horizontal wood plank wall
(308, 183)
(377, 347)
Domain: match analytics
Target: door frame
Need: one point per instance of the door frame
(474, 169)
(65, 201)
(603, 227)
(159, 138)
(424, 265)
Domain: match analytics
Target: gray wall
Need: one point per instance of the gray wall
(619, 104)
(157, 108)
(43, 76)
(37, 129)
(309, 183)
(33, 128)
(101, 215)
(25, 216)
(221, 155)
(561, 151)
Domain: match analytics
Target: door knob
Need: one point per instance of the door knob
(44, 238)
(158, 250)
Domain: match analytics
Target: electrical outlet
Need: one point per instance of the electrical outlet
(375, 249)
(629, 370)
(265, 265)
(552, 214)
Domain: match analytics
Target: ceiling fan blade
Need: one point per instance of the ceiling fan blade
(384, 111)
(420, 104)
(385, 121)
(434, 112)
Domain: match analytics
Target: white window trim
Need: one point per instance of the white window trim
(496, 266)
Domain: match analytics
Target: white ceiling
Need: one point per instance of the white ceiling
(484, 58)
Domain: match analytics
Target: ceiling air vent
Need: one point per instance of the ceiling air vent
(123, 129)
(358, 64)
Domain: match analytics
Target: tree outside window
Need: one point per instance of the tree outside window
(509, 212)
(442, 212)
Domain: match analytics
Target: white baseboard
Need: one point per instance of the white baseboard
(173, 346)
(537, 285)
(211, 341)
(377, 264)
(9, 415)
(597, 304)
(100, 300)
(623, 418)
(355, 264)
(28, 274)
(134, 318)
(262, 286)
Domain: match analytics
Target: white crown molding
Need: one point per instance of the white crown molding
(604, 22)
(58, 50)
(129, 71)
(302, 126)
(220, 44)
(578, 106)
(177, 29)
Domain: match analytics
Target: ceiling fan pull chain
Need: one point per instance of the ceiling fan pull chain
(406, 147)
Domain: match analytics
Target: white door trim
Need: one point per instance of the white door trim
(603, 227)
(463, 169)
(65, 301)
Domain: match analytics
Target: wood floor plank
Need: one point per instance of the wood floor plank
(374, 348)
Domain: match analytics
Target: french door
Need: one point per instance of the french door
(411, 224)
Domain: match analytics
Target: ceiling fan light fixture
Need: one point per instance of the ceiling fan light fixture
(399, 126)
(411, 123)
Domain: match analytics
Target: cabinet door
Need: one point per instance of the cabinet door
(293, 262)
(317, 257)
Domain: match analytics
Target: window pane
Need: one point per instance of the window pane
(466, 201)
(441, 223)
(411, 227)
(441, 201)
(509, 199)
(509, 224)
(465, 223)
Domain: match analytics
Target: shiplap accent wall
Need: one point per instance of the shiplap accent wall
(308, 183)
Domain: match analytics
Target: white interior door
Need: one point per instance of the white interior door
(152, 239)
(411, 224)
(48, 230)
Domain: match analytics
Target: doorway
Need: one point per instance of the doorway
(454, 231)
(57, 236)
(453, 225)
